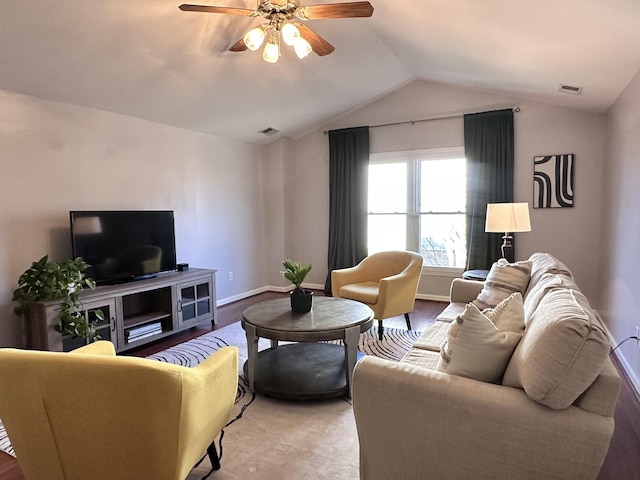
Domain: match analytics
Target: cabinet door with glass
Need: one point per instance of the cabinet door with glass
(102, 313)
(196, 301)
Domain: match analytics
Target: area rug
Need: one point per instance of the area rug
(394, 345)
(278, 439)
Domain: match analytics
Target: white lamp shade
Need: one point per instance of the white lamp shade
(271, 50)
(290, 34)
(507, 218)
(302, 48)
(254, 38)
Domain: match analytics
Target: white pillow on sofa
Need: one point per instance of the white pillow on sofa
(480, 344)
(503, 279)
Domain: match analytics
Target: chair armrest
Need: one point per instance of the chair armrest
(209, 392)
(368, 270)
(412, 420)
(101, 347)
(403, 282)
(214, 382)
(397, 294)
(464, 291)
(345, 276)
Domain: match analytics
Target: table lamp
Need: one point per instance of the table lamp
(507, 218)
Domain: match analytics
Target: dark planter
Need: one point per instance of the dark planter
(301, 302)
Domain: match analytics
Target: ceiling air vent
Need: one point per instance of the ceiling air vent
(571, 90)
(269, 131)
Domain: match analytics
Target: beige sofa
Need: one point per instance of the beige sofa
(555, 421)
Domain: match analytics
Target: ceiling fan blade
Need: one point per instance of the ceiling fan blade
(207, 9)
(318, 44)
(336, 10)
(239, 46)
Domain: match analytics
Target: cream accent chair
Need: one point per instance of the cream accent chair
(88, 414)
(386, 281)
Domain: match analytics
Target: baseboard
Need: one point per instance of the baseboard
(311, 286)
(224, 301)
(268, 288)
(634, 381)
(433, 298)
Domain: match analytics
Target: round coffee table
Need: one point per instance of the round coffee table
(306, 369)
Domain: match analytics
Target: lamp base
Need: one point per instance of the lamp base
(507, 246)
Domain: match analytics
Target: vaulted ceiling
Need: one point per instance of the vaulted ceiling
(148, 59)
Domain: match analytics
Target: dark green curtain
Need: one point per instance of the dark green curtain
(488, 146)
(348, 180)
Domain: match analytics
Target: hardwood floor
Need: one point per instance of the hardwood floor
(622, 461)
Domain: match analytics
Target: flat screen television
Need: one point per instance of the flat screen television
(122, 246)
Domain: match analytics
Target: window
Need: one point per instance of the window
(417, 202)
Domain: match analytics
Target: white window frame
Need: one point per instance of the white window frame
(413, 158)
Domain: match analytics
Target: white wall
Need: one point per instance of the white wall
(274, 210)
(621, 227)
(570, 233)
(60, 157)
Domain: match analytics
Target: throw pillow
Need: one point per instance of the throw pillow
(480, 344)
(508, 315)
(503, 279)
(562, 353)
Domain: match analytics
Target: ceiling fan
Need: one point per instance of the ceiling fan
(285, 19)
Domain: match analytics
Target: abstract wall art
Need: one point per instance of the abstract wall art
(553, 181)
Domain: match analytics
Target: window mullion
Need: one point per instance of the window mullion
(413, 205)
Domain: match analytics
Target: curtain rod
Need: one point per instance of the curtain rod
(441, 117)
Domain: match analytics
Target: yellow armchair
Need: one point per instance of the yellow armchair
(88, 414)
(386, 281)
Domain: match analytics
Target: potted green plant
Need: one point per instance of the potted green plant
(301, 299)
(46, 280)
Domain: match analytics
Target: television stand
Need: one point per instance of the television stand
(135, 313)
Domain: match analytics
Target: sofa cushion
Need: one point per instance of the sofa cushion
(542, 263)
(451, 312)
(433, 337)
(562, 352)
(503, 279)
(366, 292)
(479, 344)
(422, 358)
(547, 282)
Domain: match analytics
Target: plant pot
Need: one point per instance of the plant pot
(301, 302)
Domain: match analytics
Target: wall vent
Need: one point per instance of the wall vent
(269, 131)
(570, 89)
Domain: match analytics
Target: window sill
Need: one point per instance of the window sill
(442, 271)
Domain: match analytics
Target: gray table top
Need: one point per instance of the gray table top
(328, 318)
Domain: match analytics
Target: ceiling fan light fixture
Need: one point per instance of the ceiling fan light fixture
(271, 51)
(285, 22)
(302, 48)
(290, 34)
(254, 37)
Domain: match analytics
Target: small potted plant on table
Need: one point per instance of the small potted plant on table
(301, 299)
